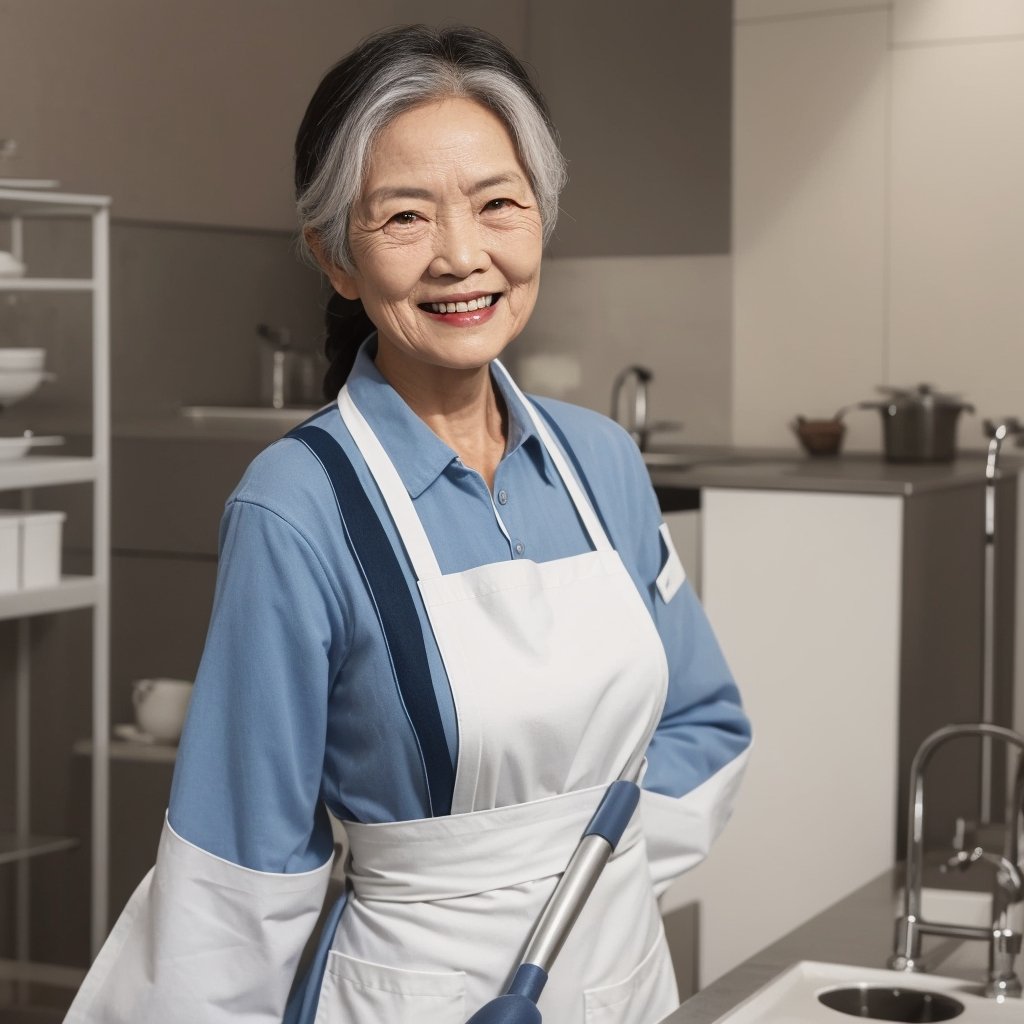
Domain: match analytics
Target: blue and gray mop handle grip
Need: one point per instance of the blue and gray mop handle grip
(601, 836)
(614, 812)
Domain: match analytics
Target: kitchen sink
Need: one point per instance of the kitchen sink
(820, 993)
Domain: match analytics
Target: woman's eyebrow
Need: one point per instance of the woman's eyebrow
(388, 192)
(506, 178)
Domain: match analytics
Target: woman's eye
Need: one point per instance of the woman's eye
(404, 219)
(499, 204)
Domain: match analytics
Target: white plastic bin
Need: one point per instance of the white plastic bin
(30, 546)
(10, 551)
(40, 548)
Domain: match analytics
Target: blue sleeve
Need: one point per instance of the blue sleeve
(248, 776)
(703, 726)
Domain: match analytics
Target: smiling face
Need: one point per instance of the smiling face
(446, 240)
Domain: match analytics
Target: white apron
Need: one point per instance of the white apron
(558, 677)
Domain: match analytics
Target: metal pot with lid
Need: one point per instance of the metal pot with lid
(919, 423)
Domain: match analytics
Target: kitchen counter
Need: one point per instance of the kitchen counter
(858, 930)
(787, 470)
(675, 471)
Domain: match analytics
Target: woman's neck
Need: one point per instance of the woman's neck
(462, 407)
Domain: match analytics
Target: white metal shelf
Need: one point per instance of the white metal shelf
(46, 470)
(47, 284)
(72, 592)
(21, 202)
(125, 750)
(93, 592)
(14, 847)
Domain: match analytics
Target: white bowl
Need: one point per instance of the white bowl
(22, 358)
(15, 384)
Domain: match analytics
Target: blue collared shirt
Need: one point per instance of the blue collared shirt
(296, 705)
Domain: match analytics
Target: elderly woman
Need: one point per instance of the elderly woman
(446, 614)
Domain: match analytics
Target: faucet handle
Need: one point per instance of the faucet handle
(1008, 874)
(279, 338)
(960, 835)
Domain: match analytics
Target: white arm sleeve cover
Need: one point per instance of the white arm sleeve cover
(680, 830)
(202, 941)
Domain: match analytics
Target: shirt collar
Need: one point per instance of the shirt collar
(417, 453)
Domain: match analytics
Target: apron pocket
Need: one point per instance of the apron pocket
(359, 992)
(645, 996)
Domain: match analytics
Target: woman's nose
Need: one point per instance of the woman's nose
(460, 249)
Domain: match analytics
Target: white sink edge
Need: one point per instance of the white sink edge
(792, 996)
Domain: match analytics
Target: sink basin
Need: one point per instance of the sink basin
(883, 1002)
(796, 997)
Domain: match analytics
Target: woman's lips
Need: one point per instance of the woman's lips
(464, 316)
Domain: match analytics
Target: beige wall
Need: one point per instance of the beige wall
(883, 243)
(669, 313)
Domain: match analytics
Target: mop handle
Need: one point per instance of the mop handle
(596, 845)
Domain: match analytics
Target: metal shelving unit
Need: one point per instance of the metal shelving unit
(24, 475)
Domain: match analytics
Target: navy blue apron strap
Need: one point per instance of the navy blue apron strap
(396, 611)
(563, 442)
(304, 997)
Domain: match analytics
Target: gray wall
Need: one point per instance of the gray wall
(641, 94)
(198, 129)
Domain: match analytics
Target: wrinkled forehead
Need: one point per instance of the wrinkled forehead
(452, 142)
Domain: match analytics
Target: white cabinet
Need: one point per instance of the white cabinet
(26, 475)
(804, 593)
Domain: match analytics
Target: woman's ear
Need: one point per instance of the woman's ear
(344, 283)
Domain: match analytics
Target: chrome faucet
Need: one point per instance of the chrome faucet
(637, 425)
(1003, 939)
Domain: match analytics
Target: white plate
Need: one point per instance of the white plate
(28, 183)
(18, 447)
(132, 733)
(10, 265)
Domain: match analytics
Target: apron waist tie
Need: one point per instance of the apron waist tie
(480, 851)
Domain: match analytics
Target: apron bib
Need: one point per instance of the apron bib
(558, 678)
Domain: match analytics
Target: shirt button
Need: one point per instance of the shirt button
(520, 547)
(503, 497)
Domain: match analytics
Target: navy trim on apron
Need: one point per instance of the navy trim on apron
(563, 441)
(399, 620)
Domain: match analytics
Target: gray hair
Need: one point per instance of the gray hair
(397, 82)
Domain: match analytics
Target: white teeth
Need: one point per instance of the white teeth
(461, 307)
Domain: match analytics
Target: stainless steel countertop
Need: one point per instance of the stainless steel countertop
(854, 473)
(857, 930)
(679, 468)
